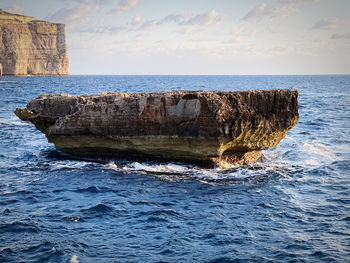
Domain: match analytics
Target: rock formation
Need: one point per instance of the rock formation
(32, 47)
(223, 128)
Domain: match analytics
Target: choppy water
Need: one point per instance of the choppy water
(294, 206)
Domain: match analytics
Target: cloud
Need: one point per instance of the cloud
(298, 1)
(124, 6)
(189, 30)
(283, 9)
(15, 9)
(211, 18)
(177, 18)
(76, 18)
(263, 11)
(240, 34)
(136, 20)
(188, 22)
(150, 24)
(100, 29)
(238, 31)
(87, 2)
(103, 2)
(116, 30)
(341, 36)
(91, 2)
(234, 40)
(326, 24)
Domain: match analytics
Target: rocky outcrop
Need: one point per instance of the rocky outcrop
(32, 47)
(223, 128)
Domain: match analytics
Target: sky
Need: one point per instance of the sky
(199, 37)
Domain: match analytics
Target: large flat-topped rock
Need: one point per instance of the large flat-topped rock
(224, 128)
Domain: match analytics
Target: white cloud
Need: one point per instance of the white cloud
(15, 9)
(177, 18)
(234, 40)
(87, 2)
(189, 22)
(91, 2)
(116, 30)
(211, 18)
(189, 30)
(124, 6)
(103, 2)
(297, 1)
(240, 34)
(76, 18)
(283, 9)
(341, 36)
(73, 14)
(238, 31)
(326, 24)
(136, 20)
(150, 24)
(263, 11)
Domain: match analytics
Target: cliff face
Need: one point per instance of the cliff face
(224, 128)
(32, 47)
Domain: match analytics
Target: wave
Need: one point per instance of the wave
(18, 227)
(68, 165)
(173, 172)
(158, 212)
(8, 81)
(317, 154)
(316, 148)
(309, 154)
(14, 123)
(75, 219)
(16, 193)
(98, 210)
(90, 189)
(281, 162)
(95, 211)
(167, 168)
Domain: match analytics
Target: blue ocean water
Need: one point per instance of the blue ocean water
(293, 206)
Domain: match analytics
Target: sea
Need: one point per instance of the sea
(292, 206)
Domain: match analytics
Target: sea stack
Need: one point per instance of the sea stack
(32, 47)
(225, 129)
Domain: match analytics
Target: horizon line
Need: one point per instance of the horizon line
(317, 74)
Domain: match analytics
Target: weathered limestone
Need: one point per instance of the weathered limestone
(32, 47)
(222, 128)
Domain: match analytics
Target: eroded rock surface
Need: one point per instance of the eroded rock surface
(32, 47)
(221, 128)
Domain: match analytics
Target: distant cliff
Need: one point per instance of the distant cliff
(32, 47)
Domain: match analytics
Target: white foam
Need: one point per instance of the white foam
(7, 81)
(58, 165)
(112, 165)
(320, 150)
(74, 259)
(312, 162)
(13, 122)
(166, 168)
(170, 170)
